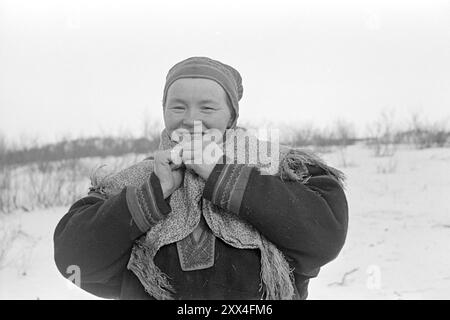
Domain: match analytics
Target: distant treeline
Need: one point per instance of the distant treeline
(381, 135)
(79, 148)
(112, 146)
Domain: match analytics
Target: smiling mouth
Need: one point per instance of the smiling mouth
(190, 136)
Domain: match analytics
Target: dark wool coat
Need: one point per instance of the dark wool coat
(306, 221)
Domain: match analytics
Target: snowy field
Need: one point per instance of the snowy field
(397, 245)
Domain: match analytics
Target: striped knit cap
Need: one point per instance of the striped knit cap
(202, 67)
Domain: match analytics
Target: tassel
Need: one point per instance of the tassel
(277, 277)
(154, 281)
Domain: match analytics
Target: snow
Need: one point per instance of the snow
(397, 245)
(399, 231)
(29, 271)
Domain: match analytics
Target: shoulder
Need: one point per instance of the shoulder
(301, 165)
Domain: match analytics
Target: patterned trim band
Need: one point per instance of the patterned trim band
(147, 204)
(226, 185)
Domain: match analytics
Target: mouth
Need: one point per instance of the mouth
(193, 134)
(187, 136)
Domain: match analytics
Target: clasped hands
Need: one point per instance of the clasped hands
(196, 152)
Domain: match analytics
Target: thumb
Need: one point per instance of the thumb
(176, 156)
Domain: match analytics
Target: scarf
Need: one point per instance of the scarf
(277, 280)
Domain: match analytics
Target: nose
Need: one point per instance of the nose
(191, 117)
(193, 123)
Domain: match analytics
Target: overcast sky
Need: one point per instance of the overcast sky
(95, 67)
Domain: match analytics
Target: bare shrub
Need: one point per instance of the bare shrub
(55, 183)
(42, 176)
(423, 134)
(322, 139)
(42, 185)
(339, 134)
(343, 133)
(302, 135)
(382, 135)
(8, 191)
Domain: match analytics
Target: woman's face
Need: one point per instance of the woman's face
(196, 99)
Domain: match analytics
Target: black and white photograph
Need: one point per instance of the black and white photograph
(224, 150)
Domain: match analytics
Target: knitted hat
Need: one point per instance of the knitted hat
(202, 67)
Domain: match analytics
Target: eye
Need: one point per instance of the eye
(208, 108)
(177, 108)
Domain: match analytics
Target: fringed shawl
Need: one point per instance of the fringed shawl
(277, 280)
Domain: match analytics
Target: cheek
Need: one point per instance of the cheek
(171, 120)
(218, 121)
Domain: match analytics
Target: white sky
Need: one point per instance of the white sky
(92, 67)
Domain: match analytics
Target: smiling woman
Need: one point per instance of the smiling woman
(221, 230)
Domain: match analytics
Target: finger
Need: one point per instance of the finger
(176, 167)
(164, 157)
(187, 152)
(193, 143)
(175, 155)
(187, 156)
(192, 156)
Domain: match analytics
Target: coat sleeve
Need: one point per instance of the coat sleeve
(97, 234)
(306, 221)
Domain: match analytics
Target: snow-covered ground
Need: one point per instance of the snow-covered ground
(398, 243)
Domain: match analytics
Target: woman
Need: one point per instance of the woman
(208, 229)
